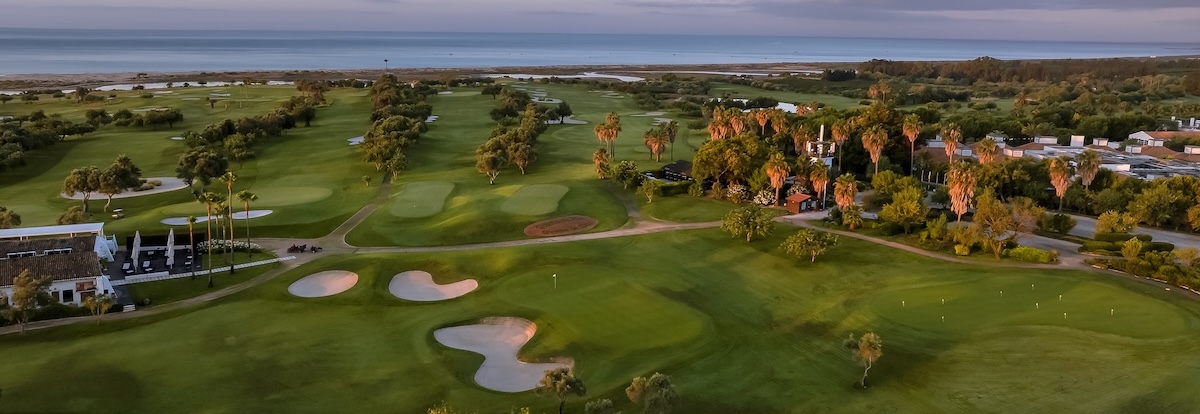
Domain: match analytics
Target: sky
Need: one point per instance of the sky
(1071, 20)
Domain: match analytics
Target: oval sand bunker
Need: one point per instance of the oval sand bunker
(327, 283)
(418, 286)
(498, 340)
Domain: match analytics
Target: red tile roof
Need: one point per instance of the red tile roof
(1169, 135)
(1160, 152)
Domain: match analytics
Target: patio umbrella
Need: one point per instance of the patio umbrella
(137, 248)
(171, 249)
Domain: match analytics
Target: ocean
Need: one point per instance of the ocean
(55, 51)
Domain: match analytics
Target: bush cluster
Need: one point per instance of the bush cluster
(1032, 255)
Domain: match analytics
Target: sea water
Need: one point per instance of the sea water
(98, 51)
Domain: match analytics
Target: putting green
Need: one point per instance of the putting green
(289, 196)
(535, 200)
(584, 306)
(421, 199)
(1031, 301)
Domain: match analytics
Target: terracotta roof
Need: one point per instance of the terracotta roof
(1101, 148)
(1160, 152)
(1188, 157)
(1032, 146)
(936, 155)
(80, 262)
(1169, 135)
(798, 197)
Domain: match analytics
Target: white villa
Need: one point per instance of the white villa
(71, 255)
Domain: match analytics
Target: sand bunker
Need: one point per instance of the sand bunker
(356, 140)
(418, 286)
(654, 113)
(239, 215)
(431, 118)
(176, 138)
(561, 226)
(445, 92)
(327, 283)
(168, 184)
(498, 340)
(660, 121)
(566, 121)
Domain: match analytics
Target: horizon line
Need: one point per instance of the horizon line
(1197, 43)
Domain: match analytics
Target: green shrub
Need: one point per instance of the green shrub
(1121, 237)
(962, 250)
(676, 188)
(1158, 247)
(1032, 254)
(890, 229)
(1098, 246)
(696, 189)
(1058, 223)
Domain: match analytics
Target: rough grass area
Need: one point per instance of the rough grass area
(747, 329)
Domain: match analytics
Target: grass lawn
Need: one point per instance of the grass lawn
(743, 330)
(749, 92)
(478, 212)
(296, 174)
(684, 208)
(421, 199)
(167, 291)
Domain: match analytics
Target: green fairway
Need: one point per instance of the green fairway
(744, 330)
(421, 199)
(534, 200)
(294, 174)
(477, 212)
(685, 209)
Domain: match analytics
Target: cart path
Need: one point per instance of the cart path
(335, 244)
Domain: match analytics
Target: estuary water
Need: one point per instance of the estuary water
(56, 51)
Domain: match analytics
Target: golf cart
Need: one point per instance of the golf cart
(118, 213)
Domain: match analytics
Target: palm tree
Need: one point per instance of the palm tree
(737, 121)
(844, 190)
(671, 129)
(229, 178)
(1060, 177)
(1089, 165)
(819, 177)
(874, 140)
(951, 134)
(601, 131)
(841, 132)
(987, 150)
(246, 196)
(961, 180)
(656, 142)
(191, 220)
(912, 130)
(801, 136)
(614, 129)
(762, 116)
(777, 169)
(209, 198)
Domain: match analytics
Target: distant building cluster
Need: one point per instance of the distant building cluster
(1143, 155)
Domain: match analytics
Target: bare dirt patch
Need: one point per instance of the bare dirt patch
(561, 226)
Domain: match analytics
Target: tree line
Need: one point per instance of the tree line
(25, 133)
(398, 113)
(514, 140)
